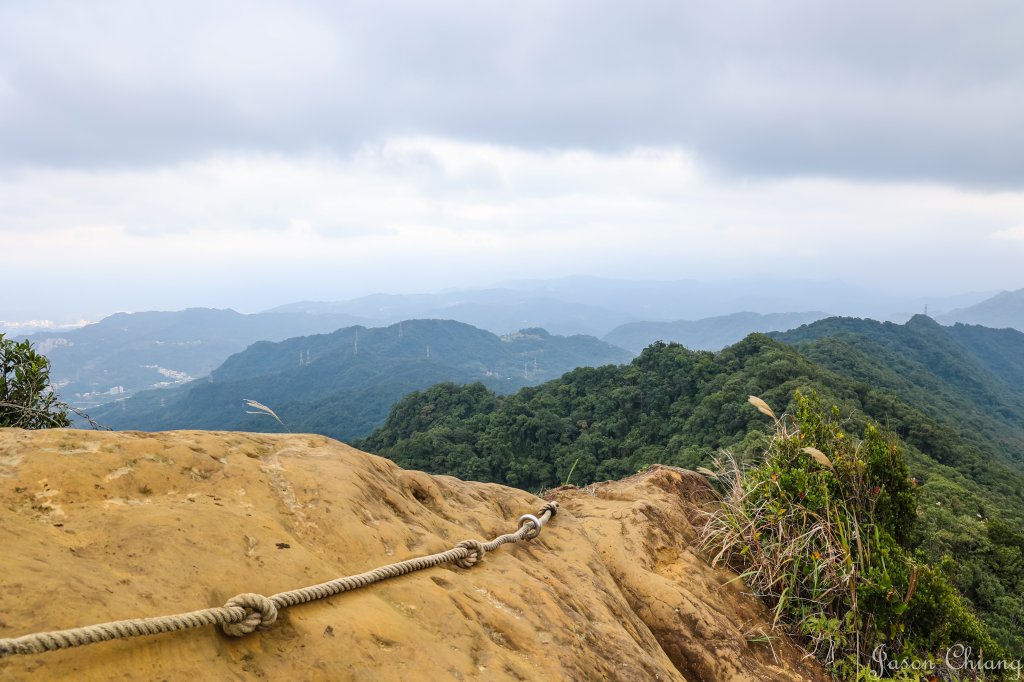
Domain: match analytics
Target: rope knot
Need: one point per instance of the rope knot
(476, 553)
(549, 507)
(260, 612)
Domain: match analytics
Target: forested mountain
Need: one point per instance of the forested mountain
(343, 384)
(998, 349)
(1003, 310)
(676, 406)
(129, 352)
(711, 333)
(969, 378)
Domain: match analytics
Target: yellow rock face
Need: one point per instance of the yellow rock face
(107, 526)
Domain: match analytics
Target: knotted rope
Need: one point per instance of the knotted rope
(248, 612)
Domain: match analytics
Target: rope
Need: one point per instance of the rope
(248, 612)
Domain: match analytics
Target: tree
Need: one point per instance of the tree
(26, 399)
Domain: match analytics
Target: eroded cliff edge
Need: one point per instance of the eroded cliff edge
(105, 526)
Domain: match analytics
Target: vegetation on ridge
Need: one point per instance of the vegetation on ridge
(820, 527)
(675, 406)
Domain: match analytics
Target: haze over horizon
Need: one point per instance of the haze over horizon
(237, 155)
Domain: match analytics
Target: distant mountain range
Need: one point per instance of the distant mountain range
(712, 333)
(1003, 310)
(497, 310)
(694, 300)
(596, 305)
(343, 384)
(130, 352)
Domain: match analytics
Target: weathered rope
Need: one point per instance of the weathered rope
(248, 612)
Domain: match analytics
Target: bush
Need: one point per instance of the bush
(820, 528)
(26, 400)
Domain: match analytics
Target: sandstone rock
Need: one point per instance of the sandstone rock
(106, 526)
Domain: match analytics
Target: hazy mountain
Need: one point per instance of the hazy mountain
(343, 384)
(129, 352)
(687, 299)
(596, 305)
(497, 310)
(712, 333)
(1003, 310)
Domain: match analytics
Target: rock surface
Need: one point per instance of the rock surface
(106, 526)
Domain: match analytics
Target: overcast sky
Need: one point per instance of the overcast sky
(247, 154)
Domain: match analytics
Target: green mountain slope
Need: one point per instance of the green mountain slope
(343, 384)
(1000, 350)
(967, 378)
(675, 406)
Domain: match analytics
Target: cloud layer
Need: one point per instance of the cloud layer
(878, 90)
(420, 214)
(157, 155)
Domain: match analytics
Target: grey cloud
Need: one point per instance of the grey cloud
(914, 90)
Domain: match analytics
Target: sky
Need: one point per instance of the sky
(247, 154)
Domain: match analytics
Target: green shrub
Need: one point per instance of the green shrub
(820, 528)
(26, 400)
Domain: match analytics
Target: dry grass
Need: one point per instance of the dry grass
(260, 408)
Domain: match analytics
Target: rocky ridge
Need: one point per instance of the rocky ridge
(106, 526)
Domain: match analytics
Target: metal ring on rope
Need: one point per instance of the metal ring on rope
(537, 525)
